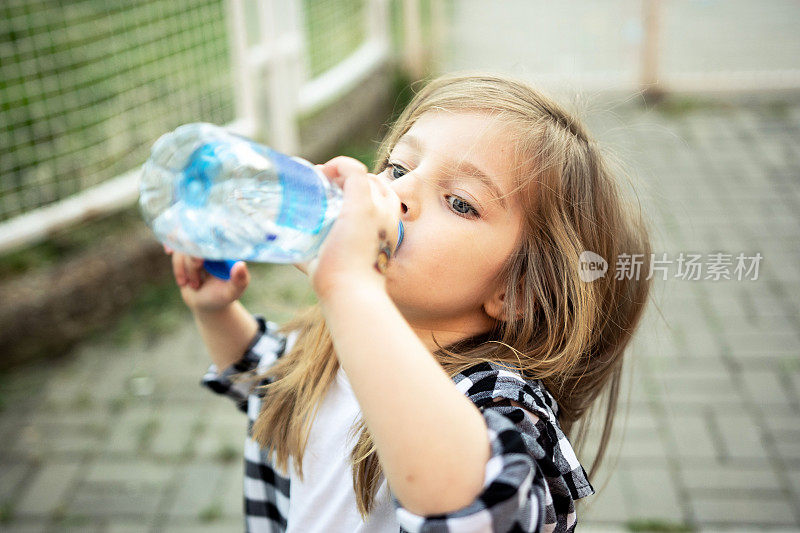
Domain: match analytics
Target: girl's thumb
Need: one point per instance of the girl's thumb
(239, 275)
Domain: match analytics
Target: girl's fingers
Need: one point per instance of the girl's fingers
(302, 267)
(178, 269)
(193, 267)
(187, 271)
(340, 168)
(384, 197)
(358, 186)
(240, 276)
(383, 191)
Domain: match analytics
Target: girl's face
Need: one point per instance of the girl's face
(452, 172)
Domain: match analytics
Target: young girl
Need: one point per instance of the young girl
(434, 392)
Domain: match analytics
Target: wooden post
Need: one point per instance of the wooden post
(243, 87)
(649, 81)
(440, 37)
(413, 47)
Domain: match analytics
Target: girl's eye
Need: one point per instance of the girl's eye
(397, 171)
(461, 207)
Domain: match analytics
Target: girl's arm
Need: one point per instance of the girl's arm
(226, 333)
(227, 328)
(432, 441)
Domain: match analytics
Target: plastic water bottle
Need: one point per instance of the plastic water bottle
(210, 193)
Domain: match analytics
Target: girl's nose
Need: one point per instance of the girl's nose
(405, 189)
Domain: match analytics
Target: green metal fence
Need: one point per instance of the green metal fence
(87, 86)
(334, 30)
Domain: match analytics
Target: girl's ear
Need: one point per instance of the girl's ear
(494, 306)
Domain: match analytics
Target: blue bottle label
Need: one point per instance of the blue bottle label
(304, 200)
(197, 178)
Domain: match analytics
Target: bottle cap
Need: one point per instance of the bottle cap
(220, 269)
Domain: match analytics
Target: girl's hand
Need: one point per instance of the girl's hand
(369, 216)
(203, 292)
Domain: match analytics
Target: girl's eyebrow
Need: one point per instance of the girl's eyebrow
(410, 140)
(465, 167)
(461, 168)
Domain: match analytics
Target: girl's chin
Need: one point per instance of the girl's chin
(397, 294)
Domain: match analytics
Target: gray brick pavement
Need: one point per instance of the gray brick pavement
(48, 489)
(122, 439)
(722, 367)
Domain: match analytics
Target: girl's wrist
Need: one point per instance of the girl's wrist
(346, 286)
(348, 301)
(214, 313)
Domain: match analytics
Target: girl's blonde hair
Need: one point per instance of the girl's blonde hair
(569, 333)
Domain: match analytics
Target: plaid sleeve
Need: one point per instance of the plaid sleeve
(513, 494)
(532, 477)
(265, 348)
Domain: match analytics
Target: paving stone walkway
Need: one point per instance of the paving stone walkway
(122, 438)
(713, 434)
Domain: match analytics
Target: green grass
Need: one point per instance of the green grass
(118, 404)
(83, 401)
(146, 433)
(72, 521)
(210, 513)
(789, 363)
(777, 109)
(678, 105)
(655, 525)
(6, 512)
(228, 453)
(189, 451)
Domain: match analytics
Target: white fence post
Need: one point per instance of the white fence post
(245, 102)
(277, 57)
(412, 39)
(650, 49)
(378, 24)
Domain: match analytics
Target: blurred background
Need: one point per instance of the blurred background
(103, 424)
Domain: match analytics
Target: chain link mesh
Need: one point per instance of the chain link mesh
(87, 86)
(334, 29)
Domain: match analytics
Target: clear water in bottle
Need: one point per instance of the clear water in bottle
(212, 194)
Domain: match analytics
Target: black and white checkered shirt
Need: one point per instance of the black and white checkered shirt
(531, 480)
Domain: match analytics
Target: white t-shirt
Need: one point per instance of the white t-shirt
(324, 501)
